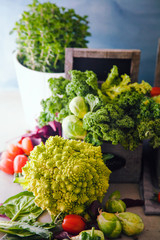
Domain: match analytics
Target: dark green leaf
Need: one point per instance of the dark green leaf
(23, 229)
(21, 207)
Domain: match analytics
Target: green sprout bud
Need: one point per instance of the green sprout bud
(109, 224)
(115, 204)
(78, 106)
(132, 223)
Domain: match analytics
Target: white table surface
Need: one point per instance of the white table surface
(12, 126)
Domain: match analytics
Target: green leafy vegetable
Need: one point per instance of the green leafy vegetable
(23, 229)
(23, 212)
(120, 112)
(43, 33)
(21, 207)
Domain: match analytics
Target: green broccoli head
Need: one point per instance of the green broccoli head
(66, 175)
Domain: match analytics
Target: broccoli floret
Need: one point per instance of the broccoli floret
(66, 176)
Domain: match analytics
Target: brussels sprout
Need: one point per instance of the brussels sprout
(93, 234)
(115, 204)
(132, 223)
(109, 224)
(73, 127)
(78, 107)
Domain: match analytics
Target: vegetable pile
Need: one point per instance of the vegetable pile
(65, 175)
(118, 112)
(16, 155)
(23, 214)
(100, 223)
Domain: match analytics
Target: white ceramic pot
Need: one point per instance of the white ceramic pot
(34, 87)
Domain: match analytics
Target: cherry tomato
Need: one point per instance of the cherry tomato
(73, 223)
(7, 154)
(155, 91)
(19, 162)
(6, 165)
(27, 145)
(15, 150)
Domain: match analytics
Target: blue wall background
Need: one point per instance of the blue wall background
(125, 24)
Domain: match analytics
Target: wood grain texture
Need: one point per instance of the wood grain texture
(115, 54)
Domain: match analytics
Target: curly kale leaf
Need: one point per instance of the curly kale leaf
(112, 79)
(82, 83)
(149, 109)
(150, 130)
(58, 85)
(110, 123)
(93, 101)
(115, 85)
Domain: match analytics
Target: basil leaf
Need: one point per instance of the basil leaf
(21, 207)
(23, 229)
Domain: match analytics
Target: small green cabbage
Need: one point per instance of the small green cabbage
(115, 204)
(73, 127)
(109, 224)
(132, 223)
(78, 106)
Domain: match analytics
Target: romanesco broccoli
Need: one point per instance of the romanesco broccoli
(66, 175)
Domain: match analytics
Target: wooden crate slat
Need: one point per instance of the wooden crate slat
(157, 70)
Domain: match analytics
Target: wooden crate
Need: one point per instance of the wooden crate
(131, 171)
(157, 84)
(157, 69)
(102, 60)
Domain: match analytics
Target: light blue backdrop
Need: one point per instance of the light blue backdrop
(128, 24)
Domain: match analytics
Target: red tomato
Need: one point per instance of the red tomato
(73, 224)
(7, 154)
(27, 145)
(19, 162)
(15, 150)
(159, 197)
(155, 91)
(6, 165)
